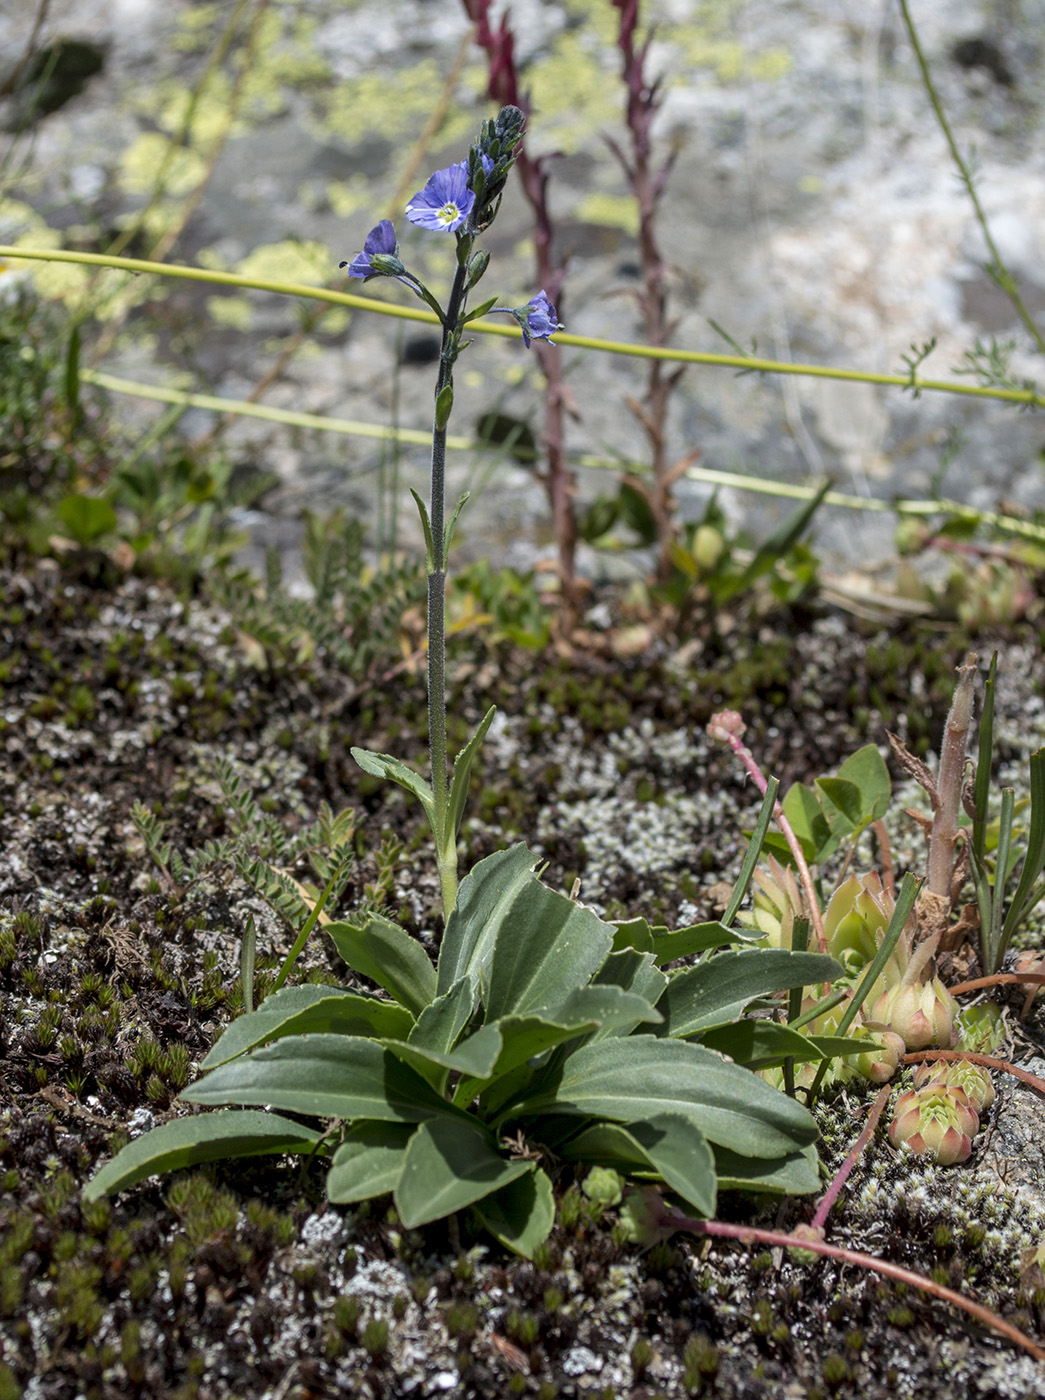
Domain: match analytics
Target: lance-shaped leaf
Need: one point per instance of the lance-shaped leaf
(698, 938)
(521, 1214)
(441, 1022)
(488, 888)
(632, 1078)
(329, 1076)
(386, 765)
(522, 1038)
(205, 1137)
(759, 1044)
(474, 1057)
(794, 1174)
(297, 1010)
(449, 1164)
(382, 951)
(667, 1144)
(369, 1162)
(463, 768)
(717, 990)
(633, 972)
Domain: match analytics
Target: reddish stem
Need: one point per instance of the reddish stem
(747, 1234)
(988, 1061)
(998, 979)
(823, 1210)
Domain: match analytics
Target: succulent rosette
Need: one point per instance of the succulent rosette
(937, 1121)
(778, 902)
(923, 1013)
(974, 1080)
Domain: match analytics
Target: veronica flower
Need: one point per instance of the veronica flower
(537, 319)
(381, 240)
(445, 202)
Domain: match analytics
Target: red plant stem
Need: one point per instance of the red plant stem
(998, 979)
(647, 185)
(557, 479)
(823, 1210)
(747, 1234)
(747, 758)
(988, 1061)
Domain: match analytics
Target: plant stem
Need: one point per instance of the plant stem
(445, 840)
(823, 1210)
(996, 267)
(949, 782)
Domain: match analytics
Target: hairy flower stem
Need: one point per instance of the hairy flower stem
(747, 758)
(445, 838)
(823, 1210)
(949, 783)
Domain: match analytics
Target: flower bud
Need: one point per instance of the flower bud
(975, 1080)
(922, 1013)
(725, 724)
(881, 1062)
(935, 1121)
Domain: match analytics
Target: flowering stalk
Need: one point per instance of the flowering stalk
(727, 728)
(823, 1210)
(462, 200)
(647, 185)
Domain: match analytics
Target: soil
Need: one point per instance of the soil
(239, 1280)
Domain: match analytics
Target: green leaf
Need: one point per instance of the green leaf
(384, 765)
(544, 945)
(866, 772)
(668, 1144)
(86, 517)
(717, 990)
(631, 1078)
(474, 1057)
(451, 528)
(697, 938)
(450, 1165)
(329, 1076)
(632, 933)
(369, 1162)
(382, 951)
(633, 972)
(426, 525)
(462, 769)
(809, 824)
(490, 886)
(296, 1010)
(203, 1137)
(521, 1215)
(794, 1174)
(440, 1024)
(760, 1044)
(444, 405)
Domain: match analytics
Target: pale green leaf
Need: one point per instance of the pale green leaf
(382, 951)
(369, 1162)
(521, 1215)
(450, 1165)
(297, 1010)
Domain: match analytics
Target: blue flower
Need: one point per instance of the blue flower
(445, 202)
(381, 239)
(537, 319)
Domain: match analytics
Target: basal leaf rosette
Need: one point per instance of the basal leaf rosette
(855, 922)
(937, 1121)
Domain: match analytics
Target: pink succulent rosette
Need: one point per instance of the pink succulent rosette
(935, 1121)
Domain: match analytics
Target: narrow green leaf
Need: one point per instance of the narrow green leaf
(203, 1137)
(384, 765)
(328, 1076)
(760, 1044)
(369, 1162)
(440, 1024)
(462, 770)
(451, 528)
(449, 1165)
(632, 1078)
(297, 1010)
(668, 1144)
(246, 963)
(697, 938)
(444, 406)
(382, 951)
(426, 526)
(487, 889)
(1034, 860)
(521, 1215)
(754, 850)
(719, 989)
(984, 759)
